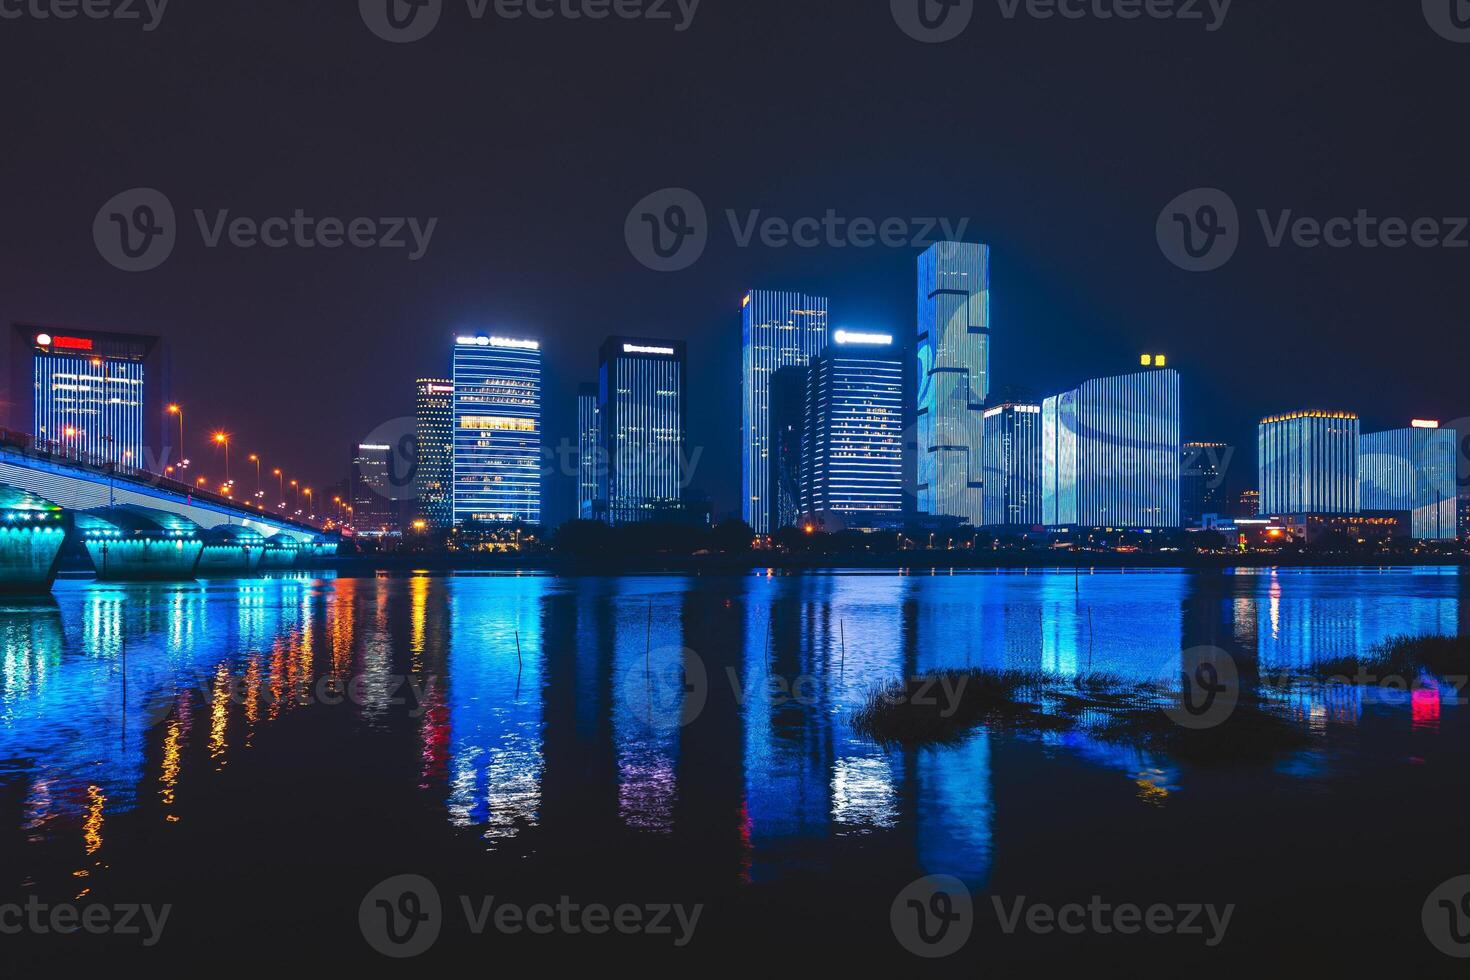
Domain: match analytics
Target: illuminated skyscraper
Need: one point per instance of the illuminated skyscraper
(1202, 481)
(497, 430)
(589, 451)
(1012, 453)
(91, 392)
(1309, 464)
(852, 467)
(788, 431)
(1412, 470)
(642, 409)
(433, 477)
(372, 494)
(778, 329)
(1110, 453)
(954, 378)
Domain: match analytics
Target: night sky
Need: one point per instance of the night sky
(1059, 140)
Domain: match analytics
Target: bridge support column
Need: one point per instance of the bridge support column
(229, 560)
(29, 556)
(145, 559)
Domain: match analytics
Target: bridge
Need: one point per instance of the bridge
(134, 525)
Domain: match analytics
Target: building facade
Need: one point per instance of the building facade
(953, 347)
(373, 502)
(788, 430)
(433, 430)
(852, 466)
(1308, 463)
(1202, 481)
(96, 393)
(778, 329)
(497, 431)
(642, 407)
(1012, 473)
(589, 451)
(1110, 453)
(1412, 471)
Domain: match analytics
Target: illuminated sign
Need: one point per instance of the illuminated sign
(63, 343)
(637, 349)
(43, 340)
(375, 449)
(847, 337)
(440, 389)
(503, 342)
(746, 302)
(1425, 424)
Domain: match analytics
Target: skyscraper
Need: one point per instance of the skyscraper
(778, 329)
(433, 479)
(1110, 453)
(852, 467)
(954, 378)
(589, 451)
(1412, 470)
(1012, 453)
(372, 497)
(788, 430)
(1202, 481)
(497, 430)
(1309, 463)
(642, 410)
(96, 393)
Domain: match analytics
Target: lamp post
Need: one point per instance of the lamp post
(179, 411)
(255, 458)
(223, 439)
(281, 482)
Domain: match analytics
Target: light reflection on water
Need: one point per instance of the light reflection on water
(565, 700)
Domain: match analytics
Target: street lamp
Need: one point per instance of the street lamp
(179, 411)
(281, 481)
(223, 439)
(256, 460)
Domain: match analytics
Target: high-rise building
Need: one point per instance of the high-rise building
(642, 408)
(778, 329)
(852, 468)
(589, 451)
(788, 430)
(433, 475)
(497, 431)
(373, 510)
(954, 378)
(1202, 481)
(1012, 454)
(1110, 453)
(1308, 463)
(1413, 471)
(100, 394)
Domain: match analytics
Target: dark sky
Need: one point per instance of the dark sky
(1060, 141)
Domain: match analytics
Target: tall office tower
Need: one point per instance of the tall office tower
(954, 378)
(642, 407)
(778, 329)
(433, 429)
(497, 431)
(1202, 481)
(1012, 454)
(1412, 470)
(1308, 463)
(372, 496)
(589, 451)
(852, 470)
(1110, 453)
(788, 429)
(96, 393)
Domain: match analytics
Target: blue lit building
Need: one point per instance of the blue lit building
(954, 378)
(497, 431)
(852, 466)
(1308, 464)
(1012, 472)
(788, 431)
(1110, 453)
(642, 412)
(589, 451)
(433, 475)
(778, 329)
(1412, 471)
